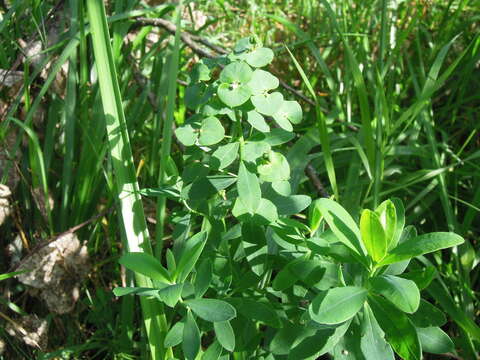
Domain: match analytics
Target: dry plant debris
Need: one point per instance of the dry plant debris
(5, 208)
(57, 270)
(31, 329)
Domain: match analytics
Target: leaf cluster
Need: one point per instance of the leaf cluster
(253, 279)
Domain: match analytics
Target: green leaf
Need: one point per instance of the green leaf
(147, 265)
(435, 341)
(190, 254)
(171, 192)
(259, 57)
(197, 95)
(348, 346)
(422, 277)
(277, 168)
(428, 315)
(171, 294)
(422, 244)
(174, 335)
(213, 352)
(12, 274)
(400, 333)
(266, 213)
(205, 187)
(191, 338)
(289, 111)
(372, 342)
(257, 121)
(403, 293)
(211, 131)
(187, 135)
(254, 150)
(203, 278)
(285, 338)
(314, 216)
(323, 341)
(398, 268)
(262, 82)
(237, 71)
(342, 225)
(267, 104)
(225, 155)
(233, 90)
(278, 136)
(282, 187)
(200, 72)
(225, 335)
(141, 291)
(248, 189)
(294, 271)
(256, 310)
(253, 234)
(373, 235)
(387, 215)
(291, 205)
(244, 44)
(400, 216)
(234, 95)
(337, 305)
(212, 309)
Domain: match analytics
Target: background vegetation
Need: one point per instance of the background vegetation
(396, 114)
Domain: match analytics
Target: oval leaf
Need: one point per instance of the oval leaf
(372, 343)
(257, 121)
(236, 72)
(257, 310)
(171, 294)
(388, 218)
(341, 223)
(211, 309)
(428, 315)
(225, 335)
(191, 338)
(259, 57)
(225, 155)
(399, 331)
(402, 293)
(267, 104)
(248, 189)
(337, 305)
(262, 81)
(422, 244)
(434, 340)
(277, 168)
(147, 265)
(187, 135)
(174, 335)
(373, 235)
(290, 111)
(211, 131)
(190, 254)
(233, 95)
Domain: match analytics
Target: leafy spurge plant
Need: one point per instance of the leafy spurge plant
(253, 281)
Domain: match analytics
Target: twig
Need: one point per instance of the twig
(190, 40)
(312, 175)
(170, 27)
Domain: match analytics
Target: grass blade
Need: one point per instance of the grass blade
(133, 217)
